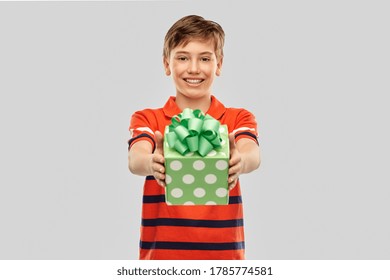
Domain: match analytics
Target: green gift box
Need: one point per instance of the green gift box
(196, 174)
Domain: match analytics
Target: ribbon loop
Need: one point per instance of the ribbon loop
(195, 126)
(192, 131)
(181, 132)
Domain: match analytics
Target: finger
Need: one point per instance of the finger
(234, 160)
(232, 178)
(158, 175)
(158, 168)
(158, 158)
(234, 169)
(159, 142)
(161, 182)
(232, 185)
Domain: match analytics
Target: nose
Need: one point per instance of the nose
(193, 67)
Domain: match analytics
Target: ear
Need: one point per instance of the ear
(166, 66)
(219, 66)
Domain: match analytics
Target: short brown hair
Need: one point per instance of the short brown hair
(194, 27)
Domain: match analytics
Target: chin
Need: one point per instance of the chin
(196, 95)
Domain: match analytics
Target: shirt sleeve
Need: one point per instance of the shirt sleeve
(142, 128)
(245, 126)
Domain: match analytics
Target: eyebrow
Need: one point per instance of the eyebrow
(202, 53)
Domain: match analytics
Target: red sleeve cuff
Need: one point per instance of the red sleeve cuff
(143, 137)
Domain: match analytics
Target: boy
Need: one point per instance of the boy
(193, 55)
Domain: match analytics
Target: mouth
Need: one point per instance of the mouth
(194, 81)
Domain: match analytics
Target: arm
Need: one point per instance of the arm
(143, 161)
(244, 158)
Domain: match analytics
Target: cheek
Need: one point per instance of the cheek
(211, 71)
(177, 70)
(175, 74)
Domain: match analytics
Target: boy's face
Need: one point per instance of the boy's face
(193, 68)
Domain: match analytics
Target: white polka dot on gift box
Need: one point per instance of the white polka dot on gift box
(199, 165)
(199, 192)
(176, 165)
(221, 164)
(210, 179)
(177, 192)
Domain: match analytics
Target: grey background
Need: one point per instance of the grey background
(316, 75)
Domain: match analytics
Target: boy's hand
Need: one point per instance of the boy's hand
(157, 165)
(235, 163)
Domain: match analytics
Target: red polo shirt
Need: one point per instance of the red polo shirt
(190, 232)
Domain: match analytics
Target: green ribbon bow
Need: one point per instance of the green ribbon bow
(192, 131)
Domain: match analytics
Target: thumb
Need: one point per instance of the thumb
(159, 142)
(232, 143)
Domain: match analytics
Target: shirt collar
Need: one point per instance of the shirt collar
(216, 110)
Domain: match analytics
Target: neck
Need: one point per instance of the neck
(202, 103)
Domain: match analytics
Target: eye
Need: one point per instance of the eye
(182, 58)
(205, 59)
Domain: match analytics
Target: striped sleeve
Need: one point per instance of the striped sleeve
(142, 128)
(245, 126)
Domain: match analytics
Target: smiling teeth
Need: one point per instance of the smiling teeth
(193, 81)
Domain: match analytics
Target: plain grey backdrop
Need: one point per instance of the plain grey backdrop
(315, 74)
